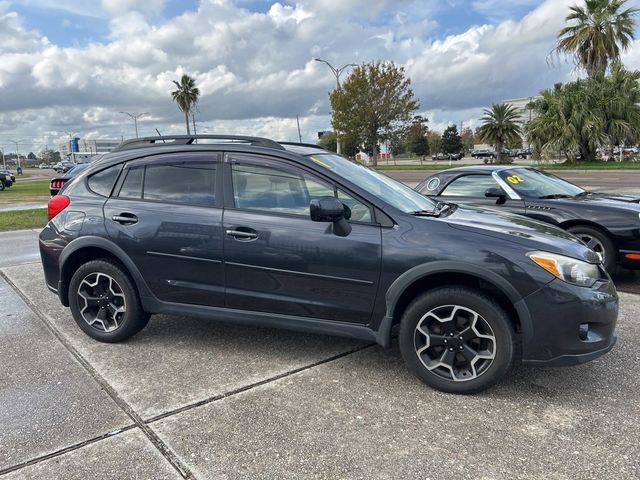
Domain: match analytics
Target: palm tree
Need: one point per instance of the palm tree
(499, 126)
(186, 96)
(600, 32)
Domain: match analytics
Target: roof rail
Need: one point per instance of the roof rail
(300, 144)
(166, 140)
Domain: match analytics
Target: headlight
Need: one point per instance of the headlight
(567, 269)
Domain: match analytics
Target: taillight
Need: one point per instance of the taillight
(57, 204)
(57, 184)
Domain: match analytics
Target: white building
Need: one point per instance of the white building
(83, 149)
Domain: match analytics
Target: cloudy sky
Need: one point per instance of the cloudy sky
(74, 65)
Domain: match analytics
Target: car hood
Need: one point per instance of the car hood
(520, 229)
(612, 199)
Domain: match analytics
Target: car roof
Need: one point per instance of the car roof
(481, 168)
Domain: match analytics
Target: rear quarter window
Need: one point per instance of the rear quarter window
(103, 181)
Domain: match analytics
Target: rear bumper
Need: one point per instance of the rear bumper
(629, 258)
(569, 325)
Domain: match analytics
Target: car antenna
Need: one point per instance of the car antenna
(160, 135)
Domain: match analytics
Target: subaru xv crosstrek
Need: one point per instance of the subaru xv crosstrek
(247, 230)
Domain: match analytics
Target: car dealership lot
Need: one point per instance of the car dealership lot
(220, 401)
(209, 400)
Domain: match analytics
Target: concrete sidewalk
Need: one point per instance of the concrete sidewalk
(195, 399)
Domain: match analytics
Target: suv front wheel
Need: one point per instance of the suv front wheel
(456, 340)
(104, 302)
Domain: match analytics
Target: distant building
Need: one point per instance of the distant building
(525, 114)
(81, 150)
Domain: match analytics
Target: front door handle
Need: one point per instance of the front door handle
(125, 218)
(242, 234)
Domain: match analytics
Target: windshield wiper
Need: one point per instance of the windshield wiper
(583, 194)
(440, 209)
(556, 195)
(425, 213)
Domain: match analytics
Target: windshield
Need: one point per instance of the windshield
(387, 189)
(77, 169)
(531, 183)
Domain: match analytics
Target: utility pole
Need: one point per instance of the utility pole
(135, 117)
(337, 72)
(299, 134)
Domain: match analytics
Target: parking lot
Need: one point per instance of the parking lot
(189, 398)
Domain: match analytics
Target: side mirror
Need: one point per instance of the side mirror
(330, 209)
(496, 192)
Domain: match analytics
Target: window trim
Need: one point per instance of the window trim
(259, 160)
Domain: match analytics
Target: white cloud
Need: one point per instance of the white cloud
(256, 70)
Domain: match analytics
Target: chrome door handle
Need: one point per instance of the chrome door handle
(125, 219)
(241, 234)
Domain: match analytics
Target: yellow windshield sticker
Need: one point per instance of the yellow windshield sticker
(320, 162)
(515, 179)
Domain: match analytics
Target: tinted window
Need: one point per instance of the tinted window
(469, 186)
(533, 183)
(132, 185)
(278, 190)
(187, 183)
(102, 182)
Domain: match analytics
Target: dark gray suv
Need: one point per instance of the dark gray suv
(247, 230)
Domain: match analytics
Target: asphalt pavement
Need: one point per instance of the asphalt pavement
(189, 398)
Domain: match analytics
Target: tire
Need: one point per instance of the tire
(1, 186)
(105, 303)
(485, 359)
(599, 242)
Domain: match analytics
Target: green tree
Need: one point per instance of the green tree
(599, 32)
(375, 101)
(577, 118)
(328, 141)
(468, 139)
(31, 156)
(451, 140)
(435, 141)
(417, 141)
(186, 96)
(499, 127)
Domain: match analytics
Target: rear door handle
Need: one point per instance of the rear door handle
(125, 218)
(242, 234)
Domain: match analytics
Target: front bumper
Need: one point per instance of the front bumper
(568, 324)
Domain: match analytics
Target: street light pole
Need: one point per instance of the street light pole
(135, 117)
(337, 72)
(17, 150)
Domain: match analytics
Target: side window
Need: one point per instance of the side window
(185, 183)
(103, 181)
(132, 185)
(469, 186)
(359, 211)
(276, 189)
(286, 190)
(191, 183)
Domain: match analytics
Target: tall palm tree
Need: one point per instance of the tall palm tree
(186, 96)
(499, 126)
(600, 31)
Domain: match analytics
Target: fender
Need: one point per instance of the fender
(115, 250)
(400, 284)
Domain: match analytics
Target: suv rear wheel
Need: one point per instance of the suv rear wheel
(456, 340)
(104, 302)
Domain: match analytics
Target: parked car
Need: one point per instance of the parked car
(607, 223)
(446, 156)
(483, 153)
(251, 231)
(58, 182)
(64, 167)
(5, 179)
(10, 175)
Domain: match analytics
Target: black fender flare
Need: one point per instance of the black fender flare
(400, 284)
(112, 248)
